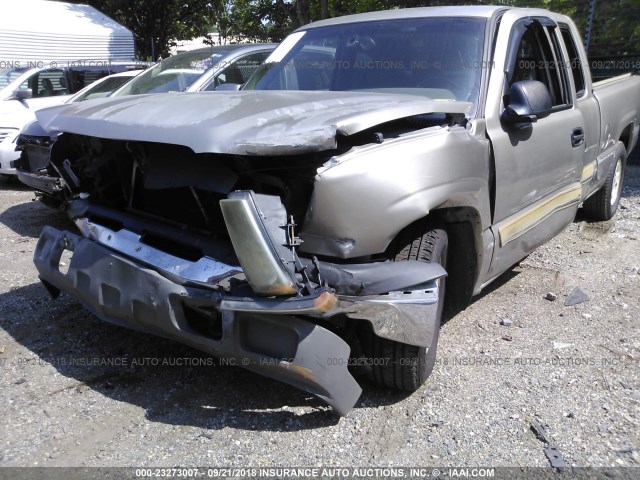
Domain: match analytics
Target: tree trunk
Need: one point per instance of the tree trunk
(324, 9)
(302, 10)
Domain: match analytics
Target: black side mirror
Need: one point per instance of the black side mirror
(529, 100)
(24, 93)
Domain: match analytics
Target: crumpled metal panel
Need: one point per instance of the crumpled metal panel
(243, 123)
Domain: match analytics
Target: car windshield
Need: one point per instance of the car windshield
(8, 75)
(101, 89)
(440, 58)
(175, 74)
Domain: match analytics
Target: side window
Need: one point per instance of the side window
(81, 77)
(574, 60)
(239, 71)
(539, 58)
(50, 83)
(558, 66)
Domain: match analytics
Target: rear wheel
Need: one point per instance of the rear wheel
(603, 204)
(398, 365)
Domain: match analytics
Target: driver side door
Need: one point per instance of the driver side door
(537, 165)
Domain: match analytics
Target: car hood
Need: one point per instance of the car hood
(245, 122)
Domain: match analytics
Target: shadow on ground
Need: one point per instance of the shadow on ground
(173, 383)
(28, 218)
(11, 182)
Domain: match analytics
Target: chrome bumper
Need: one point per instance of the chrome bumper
(404, 316)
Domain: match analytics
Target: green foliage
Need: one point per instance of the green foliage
(615, 29)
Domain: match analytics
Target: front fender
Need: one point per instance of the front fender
(362, 199)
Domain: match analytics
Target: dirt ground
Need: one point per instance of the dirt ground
(78, 392)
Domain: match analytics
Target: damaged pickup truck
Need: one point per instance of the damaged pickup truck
(310, 221)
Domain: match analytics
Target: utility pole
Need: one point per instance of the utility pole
(587, 35)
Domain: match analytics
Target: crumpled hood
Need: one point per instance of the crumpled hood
(245, 122)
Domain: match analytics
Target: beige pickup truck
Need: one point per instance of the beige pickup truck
(378, 170)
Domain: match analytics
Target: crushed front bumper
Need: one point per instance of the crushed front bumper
(273, 343)
(206, 303)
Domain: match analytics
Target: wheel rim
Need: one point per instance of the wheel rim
(617, 183)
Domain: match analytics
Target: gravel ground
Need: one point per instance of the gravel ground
(79, 392)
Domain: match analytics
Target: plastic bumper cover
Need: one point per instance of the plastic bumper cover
(263, 336)
(8, 154)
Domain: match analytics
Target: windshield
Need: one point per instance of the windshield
(175, 74)
(101, 89)
(8, 75)
(440, 58)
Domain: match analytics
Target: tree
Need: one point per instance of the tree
(615, 29)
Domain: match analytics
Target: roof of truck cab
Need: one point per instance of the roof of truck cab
(477, 11)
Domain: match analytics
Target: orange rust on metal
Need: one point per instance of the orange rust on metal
(303, 372)
(325, 302)
(280, 289)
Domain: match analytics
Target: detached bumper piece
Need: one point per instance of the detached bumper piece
(274, 343)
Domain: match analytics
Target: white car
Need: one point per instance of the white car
(199, 70)
(26, 90)
(30, 172)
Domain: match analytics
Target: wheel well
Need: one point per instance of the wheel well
(462, 225)
(625, 136)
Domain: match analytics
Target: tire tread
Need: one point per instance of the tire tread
(401, 368)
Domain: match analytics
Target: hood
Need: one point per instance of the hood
(34, 127)
(14, 114)
(245, 122)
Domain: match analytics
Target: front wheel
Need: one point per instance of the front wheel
(398, 365)
(603, 204)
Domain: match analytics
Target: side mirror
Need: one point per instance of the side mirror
(24, 93)
(529, 100)
(228, 87)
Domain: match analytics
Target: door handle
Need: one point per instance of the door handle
(577, 137)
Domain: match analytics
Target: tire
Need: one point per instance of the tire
(603, 204)
(398, 365)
